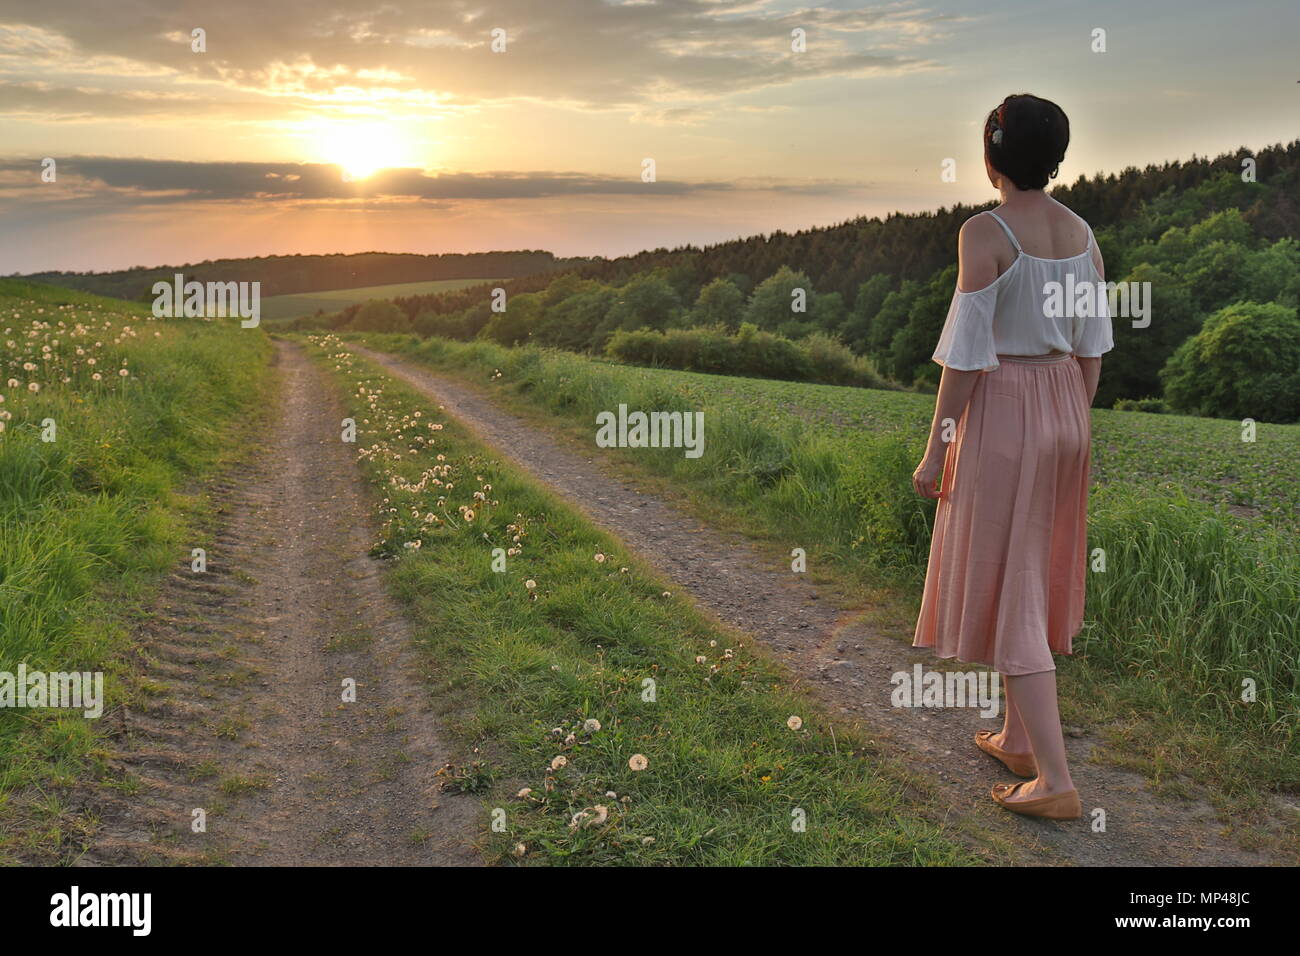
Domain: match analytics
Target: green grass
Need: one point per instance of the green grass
(306, 303)
(726, 777)
(88, 521)
(1201, 592)
(1204, 458)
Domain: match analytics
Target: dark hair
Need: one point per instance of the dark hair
(1035, 133)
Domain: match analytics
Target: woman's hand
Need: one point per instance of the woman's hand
(925, 479)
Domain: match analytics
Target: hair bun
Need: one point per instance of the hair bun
(1025, 138)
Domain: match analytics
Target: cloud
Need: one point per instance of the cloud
(87, 58)
(169, 181)
(94, 184)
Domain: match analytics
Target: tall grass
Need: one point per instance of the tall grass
(1192, 602)
(87, 520)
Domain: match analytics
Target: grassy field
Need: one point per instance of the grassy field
(1202, 585)
(306, 303)
(543, 667)
(1203, 458)
(573, 661)
(136, 408)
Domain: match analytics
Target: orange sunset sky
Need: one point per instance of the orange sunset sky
(336, 126)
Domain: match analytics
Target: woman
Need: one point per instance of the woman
(1011, 437)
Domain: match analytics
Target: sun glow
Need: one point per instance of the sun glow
(362, 149)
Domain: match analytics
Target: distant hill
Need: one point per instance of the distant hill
(289, 275)
(277, 307)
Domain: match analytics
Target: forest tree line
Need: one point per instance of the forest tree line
(1211, 242)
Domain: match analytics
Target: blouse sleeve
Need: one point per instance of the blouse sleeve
(1092, 335)
(966, 342)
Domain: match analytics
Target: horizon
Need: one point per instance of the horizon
(347, 134)
(595, 257)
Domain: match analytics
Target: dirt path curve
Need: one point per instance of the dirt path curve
(250, 659)
(841, 660)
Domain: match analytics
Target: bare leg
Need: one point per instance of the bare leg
(1013, 738)
(1035, 701)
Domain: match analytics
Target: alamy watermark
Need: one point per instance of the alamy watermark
(1088, 299)
(651, 430)
(922, 688)
(199, 300)
(73, 690)
(74, 908)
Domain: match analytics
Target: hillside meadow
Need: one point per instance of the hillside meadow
(108, 416)
(147, 412)
(1199, 599)
(295, 305)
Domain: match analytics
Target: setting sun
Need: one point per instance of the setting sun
(361, 150)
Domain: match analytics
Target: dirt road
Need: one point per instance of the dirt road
(250, 661)
(843, 661)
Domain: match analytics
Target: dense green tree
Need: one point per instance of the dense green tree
(1244, 363)
(742, 282)
(464, 325)
(773, 302)
(1226, 226)
(828, 311)
(855, 329)
(564, 286)
(1132, 368)
(570, 323)
(514, 325)
(911, 350)
(1216, 274)
(1272, 274)
(720, 303)
(891, 317)
(377, 316)
(646, 302)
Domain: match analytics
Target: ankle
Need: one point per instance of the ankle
(1012, 742)
(1053, 783)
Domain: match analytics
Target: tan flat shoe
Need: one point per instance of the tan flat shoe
(1058, 806)
(1022, 765)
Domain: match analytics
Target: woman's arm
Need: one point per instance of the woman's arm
(977, 267)
(1091, 367)
(955, 387)
(1091, 374)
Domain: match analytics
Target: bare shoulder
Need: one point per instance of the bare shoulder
(1088, 231)
(977, 265)
(1069, 217)
(1062, 207)
(979, 229)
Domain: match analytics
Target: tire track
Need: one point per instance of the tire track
(246, 664)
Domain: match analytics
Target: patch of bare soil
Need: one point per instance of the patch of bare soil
(845, 662)
(249, 661)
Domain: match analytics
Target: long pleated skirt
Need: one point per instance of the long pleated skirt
(1005, 581)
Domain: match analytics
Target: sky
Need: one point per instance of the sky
(312, 126)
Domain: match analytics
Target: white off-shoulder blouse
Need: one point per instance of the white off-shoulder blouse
(1037, 306)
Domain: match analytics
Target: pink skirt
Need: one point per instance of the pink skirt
(1005, 582)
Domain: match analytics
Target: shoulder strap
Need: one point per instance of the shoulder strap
(1007, 229)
